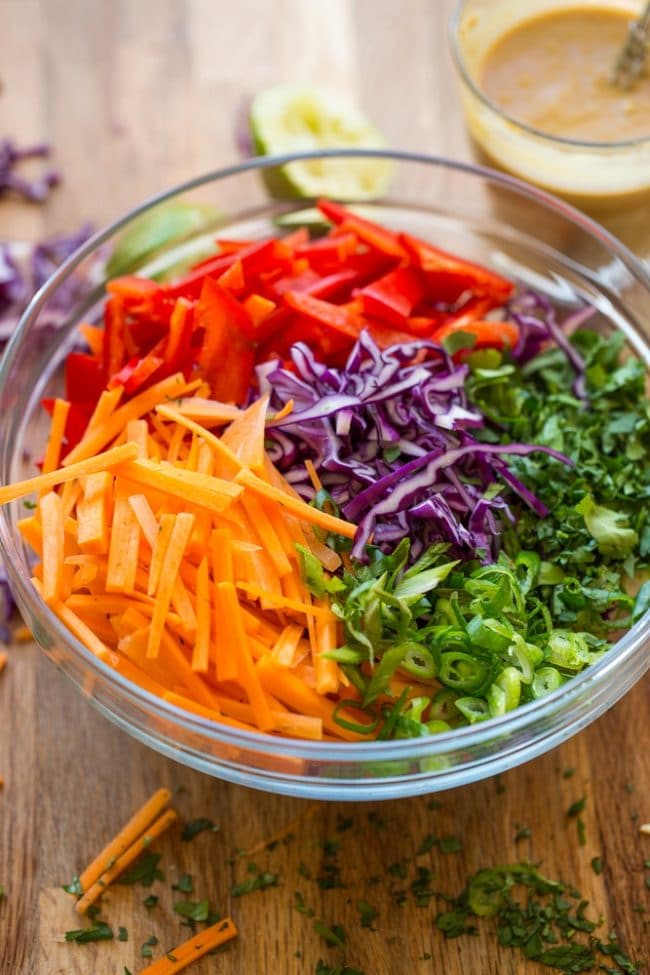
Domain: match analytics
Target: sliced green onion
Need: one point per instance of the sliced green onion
(545, 681)
(529, 563)
(345, 655)
(437, 727)
(473, 708)
(505, 693)
(419, 662)
(462, 671)
(490, 634)
(383, 672)
(443, 705)
(417, 706)
(356, 726)
(525, 657)
(391, 717)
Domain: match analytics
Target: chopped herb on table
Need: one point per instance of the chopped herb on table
(190, 830)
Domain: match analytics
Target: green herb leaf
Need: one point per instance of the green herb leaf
(144, 871)
(100, 931)
(145, 950)
(193, 910)
(122, 934)
(150, 901)
(74, 887)
(367, 913)
(258, 881)
(577, 807)
(190, 830)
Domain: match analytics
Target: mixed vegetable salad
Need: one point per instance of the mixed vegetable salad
(344, 486)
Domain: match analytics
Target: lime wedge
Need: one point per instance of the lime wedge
(290, 118)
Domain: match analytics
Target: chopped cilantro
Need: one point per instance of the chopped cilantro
(74, 887)
(190, 830)
(150, 943)
(523, 834)
(367, 914)
(299, 904)
(568, 773)
(150, 901)
(334, 935)
(427, 844)
(2, 891)
(322, 968)
(597, 865)
(185, 884)
(258, 881)
(122, 934)
(577, 807)
(98, 931)
(193, 910)
(450, 844)
(144, 871)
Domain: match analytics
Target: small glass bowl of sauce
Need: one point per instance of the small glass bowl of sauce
(538, 101)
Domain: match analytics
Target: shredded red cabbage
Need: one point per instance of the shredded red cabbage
(34, 190)
(390, 438)
(24, 268)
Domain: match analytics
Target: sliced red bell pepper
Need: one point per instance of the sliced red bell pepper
(385, 334)
(233, 278)
(377, 237)
(449, 277)
(130, 287)
(178, 346)
(393, 297)
(331, 317)
(488, 334)
(114, 348)
(328, 253)
(84, 377)
(227, 352)
(136, 373)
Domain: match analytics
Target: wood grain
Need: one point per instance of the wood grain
(136, 97)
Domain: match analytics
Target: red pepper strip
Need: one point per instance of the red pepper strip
(136, 373)
(296, 238)
(114, 348)
(178, 344)
(393, 297)
(449, 277)
(328, 253)
(231, 246)
(190, 285)
(385, 335)
(84, 377)
(379, 238)
(332, 283)
(268, 328)
(130, 286)
(489, 335)
(233, 278)
(424, 325)
(334, 317)
(227, 353)
(302, 281)
(470, 311)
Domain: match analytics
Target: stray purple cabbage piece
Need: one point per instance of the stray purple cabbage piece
(35, 190)
(24, 268)
(390, 437)
(7, 606)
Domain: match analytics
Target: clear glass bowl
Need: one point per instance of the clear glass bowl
(478, 213)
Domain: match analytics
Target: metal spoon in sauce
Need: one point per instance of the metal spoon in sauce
(634, 54)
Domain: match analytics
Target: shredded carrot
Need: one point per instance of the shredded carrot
(288, 830)
(327, 671)
(103, 433)
(182, 956)
(212, 493)
(107, 460)
(313, 476)
(296, 506)
(281, 601)
(55, 439)
(3, 660)
(245, 435)
(178, 539)
(51, 513)
(121, 862)
(241, 652)
(127, 835)
(201, 653)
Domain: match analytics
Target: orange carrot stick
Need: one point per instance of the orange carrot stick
(95, 891)
(43, 482)
(128, 834)
(182, 956)
(201, 653)
(180, 536)
(51, 513)
(296, 505)
(55, 439)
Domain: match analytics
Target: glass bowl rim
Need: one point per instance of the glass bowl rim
(548, 137)
(563, 698)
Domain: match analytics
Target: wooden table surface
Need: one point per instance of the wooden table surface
(135, 97)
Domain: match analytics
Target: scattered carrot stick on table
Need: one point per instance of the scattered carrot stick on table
(182, 956)
(130, 832)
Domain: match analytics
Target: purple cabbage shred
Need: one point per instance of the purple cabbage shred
(36, 190)
(391, 438)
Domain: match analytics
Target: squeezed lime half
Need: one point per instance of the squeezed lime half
(291, 118)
